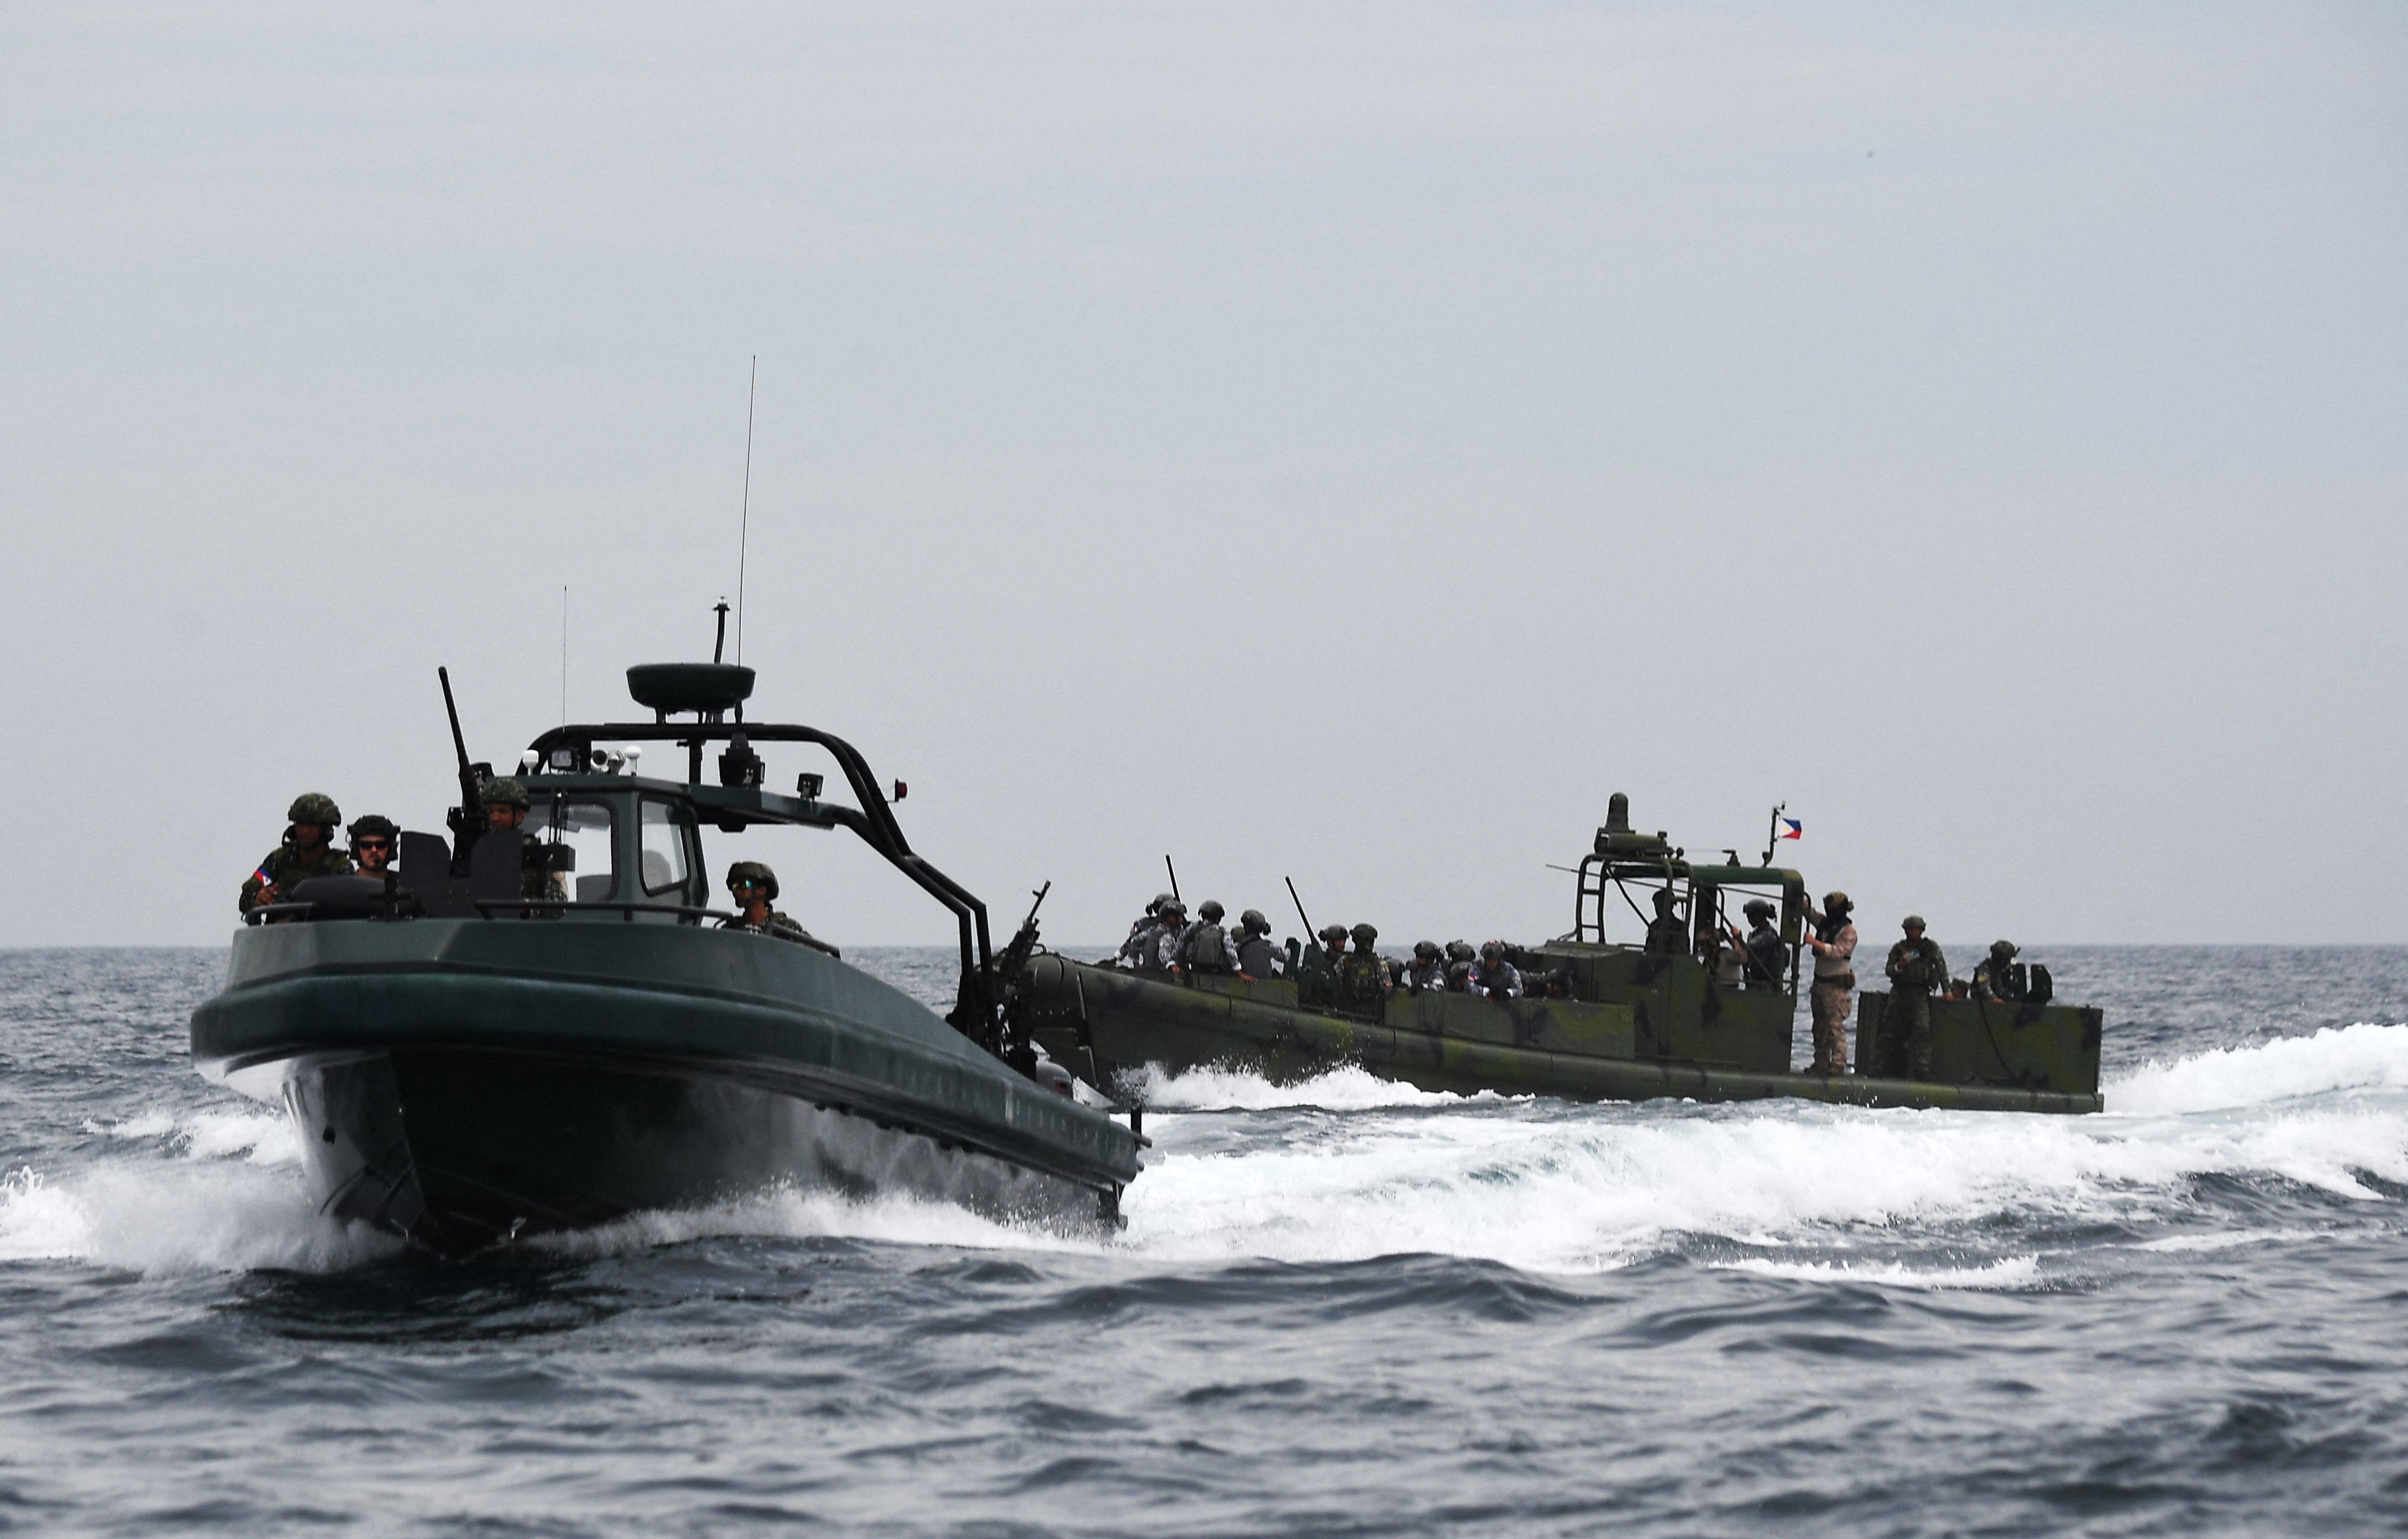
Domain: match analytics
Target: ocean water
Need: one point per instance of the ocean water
(1344, 1308)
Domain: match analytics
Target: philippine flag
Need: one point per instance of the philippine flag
(1792, 828)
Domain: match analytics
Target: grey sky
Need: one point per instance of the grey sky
(1344, 442)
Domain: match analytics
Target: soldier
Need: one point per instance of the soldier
(1333, 946)
(308, 849)
(755, 887)
(1768, 959)
(1170, 929)
(1833, 993)
(1726, 963)
(1207, 947)
(1362, 977)
(1143, 933)
(1459, 955)
(1916, 967)
(1257, 956)
(1993, 975)
(506, 809)
(1493, 976)
(372, 844)
(1665, 935)
(1429, 972)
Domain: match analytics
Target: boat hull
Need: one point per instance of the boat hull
(465, 1082)
(1118, 1022)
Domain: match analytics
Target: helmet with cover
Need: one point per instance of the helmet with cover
(314, 807)
(1425, 950)
(506, 792)
(1364, 935)
(754, 871)
(1332, 935)
(1211, 910)
(1252, 921)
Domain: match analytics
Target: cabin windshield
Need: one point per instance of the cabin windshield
(589, 827)
(669, 841)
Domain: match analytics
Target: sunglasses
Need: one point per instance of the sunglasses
(743, 886)
(372, 843)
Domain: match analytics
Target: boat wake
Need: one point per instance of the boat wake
(2284, 1140)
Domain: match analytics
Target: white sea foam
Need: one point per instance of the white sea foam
(1537, 1185)
(1348, 1088)
(2350, 1058)
(159, 1217)
(2007, 1275)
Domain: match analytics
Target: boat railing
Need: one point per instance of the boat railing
(497, 908)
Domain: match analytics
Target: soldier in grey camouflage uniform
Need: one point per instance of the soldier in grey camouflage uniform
(755, 887)
(308, 849)
(1429, 972)
(1257, 956)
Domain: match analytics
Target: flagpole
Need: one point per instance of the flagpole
(1772, 832)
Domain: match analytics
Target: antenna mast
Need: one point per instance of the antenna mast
(564, 651)
(744, 526)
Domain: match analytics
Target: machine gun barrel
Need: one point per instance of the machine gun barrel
(469, 818)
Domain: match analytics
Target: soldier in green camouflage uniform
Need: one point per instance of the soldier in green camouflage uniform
(308, 849)
(1916, 967)
(506, 808)
(1363, 977)
(755, 887)
(1993, 975)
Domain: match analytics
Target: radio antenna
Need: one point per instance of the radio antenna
(564, 651)
(744, 524)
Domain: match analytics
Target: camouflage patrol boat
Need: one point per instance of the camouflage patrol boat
(1635, 1023)
(466, 1063)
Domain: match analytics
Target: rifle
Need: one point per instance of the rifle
(1299, 907)
(468, 820)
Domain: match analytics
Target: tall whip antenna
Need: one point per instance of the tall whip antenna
(744, 527)
(564, 651)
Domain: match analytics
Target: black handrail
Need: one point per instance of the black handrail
(874, 823)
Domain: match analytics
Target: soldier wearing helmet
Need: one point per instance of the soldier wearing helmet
(1916, 967)
(306, 849)
(1363, 977)
(1257, 956)
(1171, 927)
(1666, 935)
(1207, 947)
(1139, 945)
(1768, 959)
(1333, 945)
(1427, 974)
(373, 841)
(755, 887)
(1494, 974)
(506, 809)
(1833, 993)
(1995, 977)
(1460, 957)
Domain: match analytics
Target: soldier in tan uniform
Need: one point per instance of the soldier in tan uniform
(1833, 995)
(308, 849)
(1915, 968)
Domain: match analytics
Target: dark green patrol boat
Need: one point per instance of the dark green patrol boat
(466, 1064)
(1636, 1023)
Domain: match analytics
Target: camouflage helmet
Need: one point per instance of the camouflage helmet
(506, 792)
(314, 807)
(1211, 910)
(374, 826)
(1459, 951)
(1755, 906)
(1364, 935)
(2003, 949)
(1913, 921)
(1425, 950)
(1838, 903)
(753, 870)
(1252, 921)
(1333, 934)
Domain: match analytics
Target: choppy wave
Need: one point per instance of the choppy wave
(1348, 1166)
